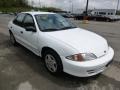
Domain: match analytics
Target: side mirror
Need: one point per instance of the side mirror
(30, 28)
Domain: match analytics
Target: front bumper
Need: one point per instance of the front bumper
(87, 68)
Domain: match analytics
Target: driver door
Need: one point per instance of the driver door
(30, 37)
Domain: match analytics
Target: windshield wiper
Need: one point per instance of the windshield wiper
(56, 29)
(70, 27)
(50, 29)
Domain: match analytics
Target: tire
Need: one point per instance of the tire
(12, 39)
(52, 62)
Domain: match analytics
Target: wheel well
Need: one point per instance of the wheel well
(44, 49)
(10, 31)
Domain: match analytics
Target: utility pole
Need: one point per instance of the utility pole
(86, 11)
(70, 1)
(40, 3)
(32, 3)
(72, 6)
(118, 4)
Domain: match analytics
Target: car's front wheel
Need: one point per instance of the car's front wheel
(52, 62)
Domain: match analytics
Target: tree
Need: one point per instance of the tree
(13, 3)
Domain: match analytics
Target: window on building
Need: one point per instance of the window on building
(102, 13)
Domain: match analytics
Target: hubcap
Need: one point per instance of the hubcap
(51, 63)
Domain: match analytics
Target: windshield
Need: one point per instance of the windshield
(53, 22)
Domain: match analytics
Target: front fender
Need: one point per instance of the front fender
(62, 48)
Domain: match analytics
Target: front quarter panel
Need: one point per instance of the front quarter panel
(60, 47)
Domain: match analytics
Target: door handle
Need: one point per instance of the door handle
(21, 32)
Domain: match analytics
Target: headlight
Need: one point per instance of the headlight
(82, 57)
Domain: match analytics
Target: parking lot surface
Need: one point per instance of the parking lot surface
(20, 69)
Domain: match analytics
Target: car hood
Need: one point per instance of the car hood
(82, 40)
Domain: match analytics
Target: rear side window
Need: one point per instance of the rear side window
(18, 20)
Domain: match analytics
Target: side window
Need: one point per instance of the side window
(19, 19)
(28, 21)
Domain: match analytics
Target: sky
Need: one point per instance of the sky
(77, 4)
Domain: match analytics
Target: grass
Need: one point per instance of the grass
(14, 9)
(22, 9)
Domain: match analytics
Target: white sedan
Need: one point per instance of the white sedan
(62, 45)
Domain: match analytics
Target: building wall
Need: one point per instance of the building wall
(104, 12)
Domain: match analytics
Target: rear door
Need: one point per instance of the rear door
(17, 27)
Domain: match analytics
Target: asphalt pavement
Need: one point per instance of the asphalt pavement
(20, 69)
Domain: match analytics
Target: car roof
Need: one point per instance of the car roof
(38, 12)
